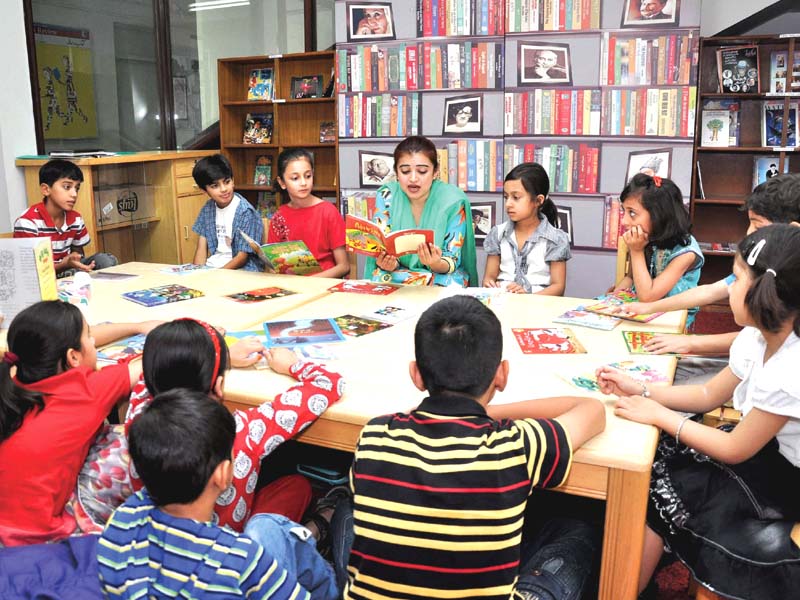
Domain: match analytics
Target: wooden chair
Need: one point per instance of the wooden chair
(6, 236)
(265, 220)
(623, 260)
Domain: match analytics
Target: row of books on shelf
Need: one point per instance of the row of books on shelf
(571, 167)
(666, 59)
(612, 221)
(473, 165)
(460, 17)
(381, 115)
(552, 15)
(658, 112)
(720, 123)
(423, 65)
(561, 111)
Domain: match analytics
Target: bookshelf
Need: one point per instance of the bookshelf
(723, 176)
(296, 122)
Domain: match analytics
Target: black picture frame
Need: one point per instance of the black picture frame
(307, 86)
(656, 13)
(368, 21)
(375, 168)
(554, 70)
(657, 161)
(463, 115)
(483, 215)
(564, 216)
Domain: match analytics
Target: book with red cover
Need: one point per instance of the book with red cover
(365, 237)
(550, 340)
(363, 287)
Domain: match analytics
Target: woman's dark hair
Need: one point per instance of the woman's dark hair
(536, 182)
(40, 337)
(181, 354)
(772, 254)
(284, 158)
(416, 144)
(669, 220)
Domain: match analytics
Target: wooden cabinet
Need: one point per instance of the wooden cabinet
(139, 206)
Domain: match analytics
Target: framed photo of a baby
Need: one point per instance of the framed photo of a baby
(650, 13)
(369, 21)
(463, 115)
(375, 168)
(541, 64)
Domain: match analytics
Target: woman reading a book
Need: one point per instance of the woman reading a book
(418, 200)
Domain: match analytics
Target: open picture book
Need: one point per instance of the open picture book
(613, 305)
(286, 258)
(365, 237)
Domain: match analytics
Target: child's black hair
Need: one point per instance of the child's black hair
(458, 344)
(416, 144)
(39, 337)
(181, 354)
(178, 442)
(669, 220)
(772, 254)
(58, 168)
(777, 199)
(210, 169)
(536, 182)
(284, 158)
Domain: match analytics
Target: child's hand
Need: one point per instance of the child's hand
(280, 359)
(246, 352)
(639, 308)
(429, 254)
(73, 261)
(615, 382)
(514, 288)
(636, 238)
(639, 409)
(490, 283)
(387, 262)
(661, 344)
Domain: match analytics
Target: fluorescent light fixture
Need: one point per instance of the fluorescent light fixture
(213, 4)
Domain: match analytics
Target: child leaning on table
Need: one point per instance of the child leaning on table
(53, 401)
(163, 540)
(55, 217)
(223, 218)
(528, 253)
(440, 493)
(723, 499)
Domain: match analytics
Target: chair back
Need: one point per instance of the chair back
(623, 260)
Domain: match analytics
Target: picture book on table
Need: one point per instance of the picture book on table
(286, 258)
(641, 372)
(636, 340)
(110, 276)
(737, 67)
(300, 332)
(587, 319)
(355, 286)
(231, 337)
(267, 293)
(357, 326)
(183, 269)
(365, 237)
(262, 172)
(163, 294)
(609, 304)
(260, 85)
(258, 128)
(390, 314)
(483, 294)
(548, 340)
(773, 126)
(123, 349)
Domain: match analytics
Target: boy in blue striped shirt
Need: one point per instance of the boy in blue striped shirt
(162, 542)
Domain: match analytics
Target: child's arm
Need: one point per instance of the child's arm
(342, 267)
(698, 296)
(558, 279)
(72, 261)
(647, 288)
(201, 253)
(717, 344)
(237, 262)
(491, 271)
(582, 418)
(106, 333)
(625, 283)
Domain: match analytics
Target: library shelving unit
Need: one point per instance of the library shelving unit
(723, 177)
(296, 121)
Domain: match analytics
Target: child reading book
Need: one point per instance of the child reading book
(527, 253)
(304, 216)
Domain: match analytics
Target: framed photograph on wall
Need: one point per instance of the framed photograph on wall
(483, 216)
(307, 86)
(463, 115)
(765, 167)
(565, 222)
(543, 64)
(650, 13)
(650, 162)
(375, 168)
(369, 21)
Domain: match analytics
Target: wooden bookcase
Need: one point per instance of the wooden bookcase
(723, 177)
(296, 122)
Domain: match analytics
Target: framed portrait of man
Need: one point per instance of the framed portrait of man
(369, 21)
(650, 13)
(544, 64)
(463, 115)
(375, 168)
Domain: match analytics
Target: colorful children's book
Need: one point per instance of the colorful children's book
(587, 319)
(550, 340)
(773, 125)
(641, 372)
(110, 276)
(183, 269)
(609, 304)
(484, 294)
(357, 326)
(365, 237)
(258, 128)
(163, 294)
(286, 258)
(27, 275)
(262, 173)
(231, 337)
(301, 332)
(737, 67)
(260, 85)
(123, 349)
(267, 293)
(390, 314)
(363, 287)
(327, 132)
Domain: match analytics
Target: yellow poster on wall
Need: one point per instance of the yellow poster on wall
(66, 81)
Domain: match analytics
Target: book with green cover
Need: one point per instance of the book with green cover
(287, 258)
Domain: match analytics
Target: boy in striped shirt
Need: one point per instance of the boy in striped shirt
(54, 217)
(440, 494)
(162, 542)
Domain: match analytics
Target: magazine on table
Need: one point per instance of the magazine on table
(547, 340)
(163, 294)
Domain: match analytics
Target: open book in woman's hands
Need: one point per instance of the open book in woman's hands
(365, 237)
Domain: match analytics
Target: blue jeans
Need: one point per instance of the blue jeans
(555, 565)
(102, 260)
(294, 549)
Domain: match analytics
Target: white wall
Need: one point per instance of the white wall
(717, 15)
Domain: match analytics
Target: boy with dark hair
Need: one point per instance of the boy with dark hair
(54, 217)
(223, 218)
(162, 541)
(440, 493)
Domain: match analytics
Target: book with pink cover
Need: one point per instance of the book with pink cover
(365, 237)
(548, 340)
(612, 305)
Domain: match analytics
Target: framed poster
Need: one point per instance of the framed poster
(483, 219)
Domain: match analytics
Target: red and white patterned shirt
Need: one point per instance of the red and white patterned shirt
(37, 222)
(259, 431)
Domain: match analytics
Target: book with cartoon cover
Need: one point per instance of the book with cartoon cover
(258, 128)
(260, 294)
(611, 305)
(363, 287)
(260, 84)
(300, 332)
(184, 269)
(123, 349)
(641, 372)
(262, 172)
(356, 326)
(163, 294)
(547, 340)
(365, 237)
(587, 319)
(286, 258)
